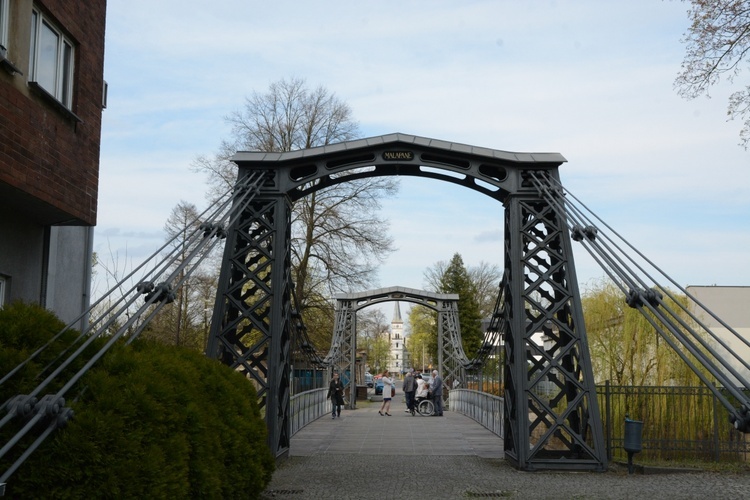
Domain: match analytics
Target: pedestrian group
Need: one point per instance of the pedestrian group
(415, 389)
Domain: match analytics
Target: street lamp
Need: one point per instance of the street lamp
(422, 355)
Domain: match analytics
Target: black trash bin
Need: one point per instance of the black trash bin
(633, 439)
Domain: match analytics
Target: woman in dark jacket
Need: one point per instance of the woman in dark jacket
(336, 395)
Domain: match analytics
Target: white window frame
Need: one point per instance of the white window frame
(64, 60)
(4, 23)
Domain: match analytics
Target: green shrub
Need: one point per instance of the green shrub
(154, 421)
(23, 329)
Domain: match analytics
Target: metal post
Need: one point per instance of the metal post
(717, 453)
(608, 410)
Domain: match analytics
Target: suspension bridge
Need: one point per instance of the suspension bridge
(256, 327)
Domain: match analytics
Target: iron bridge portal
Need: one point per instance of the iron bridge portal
(555, 428)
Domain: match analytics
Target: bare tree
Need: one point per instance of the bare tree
(290, 117)
(717, 43)
(338, 240)
(179, 322)
(371, 323)
(485, 278)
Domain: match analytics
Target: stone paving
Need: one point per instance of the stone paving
(365, 456)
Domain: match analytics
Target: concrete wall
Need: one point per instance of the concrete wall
(52, 269)
(21, 256)
(732, 305)
(69, 271)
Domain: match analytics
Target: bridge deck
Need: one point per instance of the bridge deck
(364, 432)
(366, 456)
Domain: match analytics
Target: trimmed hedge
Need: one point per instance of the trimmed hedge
(154, 421)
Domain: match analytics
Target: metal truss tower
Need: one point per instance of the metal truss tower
(552, 419)
(251, 323)
(552, 416)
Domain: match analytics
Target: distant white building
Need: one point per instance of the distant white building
(732, 305)
(397, 358)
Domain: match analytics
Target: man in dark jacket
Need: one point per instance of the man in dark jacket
(436, 388)
(410, 389)
(336, 395)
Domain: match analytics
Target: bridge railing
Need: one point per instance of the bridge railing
(486, 409)
(308, 406)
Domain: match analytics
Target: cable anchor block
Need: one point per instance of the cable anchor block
(145, 287)
(210, 227)
(578, 233)
(637, 298)
(22, 405)
(162, 292)
(741, 419)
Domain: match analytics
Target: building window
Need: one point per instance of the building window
(51, 57)
(2, 291)
(3, 26)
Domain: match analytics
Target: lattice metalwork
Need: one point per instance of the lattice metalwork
(343, 353)
(551, 411)
(251, 324)
(451, 356)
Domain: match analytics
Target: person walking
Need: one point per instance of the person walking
(410, 389)
(436, 388)
(336, 395)
(387, 391)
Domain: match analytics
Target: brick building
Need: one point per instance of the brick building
(52, 93)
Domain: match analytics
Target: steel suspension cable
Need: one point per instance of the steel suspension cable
(592, 242)
(651, 299)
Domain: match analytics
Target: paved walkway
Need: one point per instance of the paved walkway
(365, 456)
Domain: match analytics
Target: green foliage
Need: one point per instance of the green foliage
(381, 354)
(24, 328)
(625, 348)
(456, 280)
(318, 317)
(154, 421)
(423, 338)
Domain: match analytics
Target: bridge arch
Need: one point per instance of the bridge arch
(255, 321)
(487, 171)
(451, 357)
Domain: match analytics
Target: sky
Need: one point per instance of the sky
(591, 80)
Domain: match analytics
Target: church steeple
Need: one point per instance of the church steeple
(396, 314)
(398, 351)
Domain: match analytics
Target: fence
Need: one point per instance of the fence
(678, 423)
(307, 378)
(308, 406)
(482, 407)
